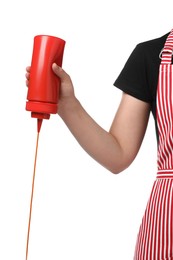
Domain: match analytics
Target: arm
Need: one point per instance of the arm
(116, 149)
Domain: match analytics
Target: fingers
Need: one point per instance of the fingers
(56, 69)
(27, 83)
(28, 68)
(60, 72)
(27, 78)
(27, 75)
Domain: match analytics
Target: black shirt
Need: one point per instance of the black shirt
(139, 76)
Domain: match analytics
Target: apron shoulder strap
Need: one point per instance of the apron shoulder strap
(167, 51)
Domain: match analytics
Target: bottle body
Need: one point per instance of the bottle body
(43, 90)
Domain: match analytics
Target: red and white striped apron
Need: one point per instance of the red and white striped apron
(155, 238)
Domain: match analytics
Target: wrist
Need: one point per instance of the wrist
(67, 106)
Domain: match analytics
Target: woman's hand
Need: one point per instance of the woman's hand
(67, 95)
(66, 89)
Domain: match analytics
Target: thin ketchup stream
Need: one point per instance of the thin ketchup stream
(39, 123)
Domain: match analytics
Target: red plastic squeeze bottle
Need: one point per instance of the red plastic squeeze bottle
(43, 90)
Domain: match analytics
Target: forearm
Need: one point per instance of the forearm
(97, 142)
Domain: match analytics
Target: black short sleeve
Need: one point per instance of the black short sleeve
(133, 77)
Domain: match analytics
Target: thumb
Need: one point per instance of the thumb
(60, 72)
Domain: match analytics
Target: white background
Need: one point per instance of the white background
(80, 211)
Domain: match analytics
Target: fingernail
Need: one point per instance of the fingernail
(55, 65)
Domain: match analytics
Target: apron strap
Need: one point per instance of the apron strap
(167, 51)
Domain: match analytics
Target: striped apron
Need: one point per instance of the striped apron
(155, 237)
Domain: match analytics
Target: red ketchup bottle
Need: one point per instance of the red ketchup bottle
(43, 90)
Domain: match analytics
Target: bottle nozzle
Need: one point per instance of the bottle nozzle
(40, 117)
(39, 123)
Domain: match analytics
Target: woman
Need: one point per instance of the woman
(144, 90)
